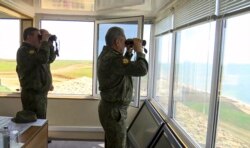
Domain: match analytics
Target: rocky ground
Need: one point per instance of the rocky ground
(81, 85)
(195, 124)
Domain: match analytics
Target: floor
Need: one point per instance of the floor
(75, 144)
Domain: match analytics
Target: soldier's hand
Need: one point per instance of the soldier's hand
(51, 88)
(137, 44)
(129, 48)
(45, 35)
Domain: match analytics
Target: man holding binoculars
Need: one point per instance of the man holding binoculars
(115, 73)
(33, 57)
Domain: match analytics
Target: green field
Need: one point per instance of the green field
(229, 114)
(64, 68)
(4, 89)
(72, 69)
(7, 65)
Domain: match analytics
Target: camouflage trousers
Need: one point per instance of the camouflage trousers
(112, 118)
(35, 101)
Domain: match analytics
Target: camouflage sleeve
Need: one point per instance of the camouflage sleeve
(128, 55)
(123, 66)
(31, 56)
(28, 58)
(43, 54)
(52, 55)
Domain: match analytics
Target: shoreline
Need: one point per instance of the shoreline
(245, 107)
(237, 103)
(83, 85)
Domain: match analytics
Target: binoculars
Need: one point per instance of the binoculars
(51, 38)
(130, 42)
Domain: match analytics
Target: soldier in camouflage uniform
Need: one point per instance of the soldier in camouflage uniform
(32, 59)
(52, 58)
(115, 84)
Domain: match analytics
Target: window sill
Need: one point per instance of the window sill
(53, 96)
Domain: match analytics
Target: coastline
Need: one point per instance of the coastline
(244, 107)
(83, 85)
(237, 103)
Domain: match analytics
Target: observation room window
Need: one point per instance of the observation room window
(10, 42)
(162, 69)
(72, 70)
(192, 79)
(234, 111)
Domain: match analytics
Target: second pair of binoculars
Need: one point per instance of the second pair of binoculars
(51, 38)
(130, 42)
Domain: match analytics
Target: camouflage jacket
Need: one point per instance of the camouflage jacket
(33, 66)
(114, 73)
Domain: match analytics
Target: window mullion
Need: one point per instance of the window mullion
(171, 83)
(214, 100)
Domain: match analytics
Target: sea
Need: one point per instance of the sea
(235, 78)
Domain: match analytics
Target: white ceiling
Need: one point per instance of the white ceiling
(148, 8)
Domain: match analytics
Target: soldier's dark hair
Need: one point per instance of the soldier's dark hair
(28, 31)
(112, 34)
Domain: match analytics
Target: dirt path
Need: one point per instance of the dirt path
(71, 68)
(59, 73)
(10, 79)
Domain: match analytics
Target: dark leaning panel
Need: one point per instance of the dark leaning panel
(165, 139)
(148, 129)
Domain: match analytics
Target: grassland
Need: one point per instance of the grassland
(62, 70)
(4, 89)
(71, 69)
(65, 68)
(231, 118)
(7, 65)
(229, 113)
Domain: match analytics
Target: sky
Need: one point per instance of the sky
(238, 40)
(9, 38)
(76, 39)
(200, 41)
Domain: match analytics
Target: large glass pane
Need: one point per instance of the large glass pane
(162, 69)
(234, 111)
(9, 43)
(192, 79)
(72, 70)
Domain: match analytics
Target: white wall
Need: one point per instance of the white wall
(68, 118)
